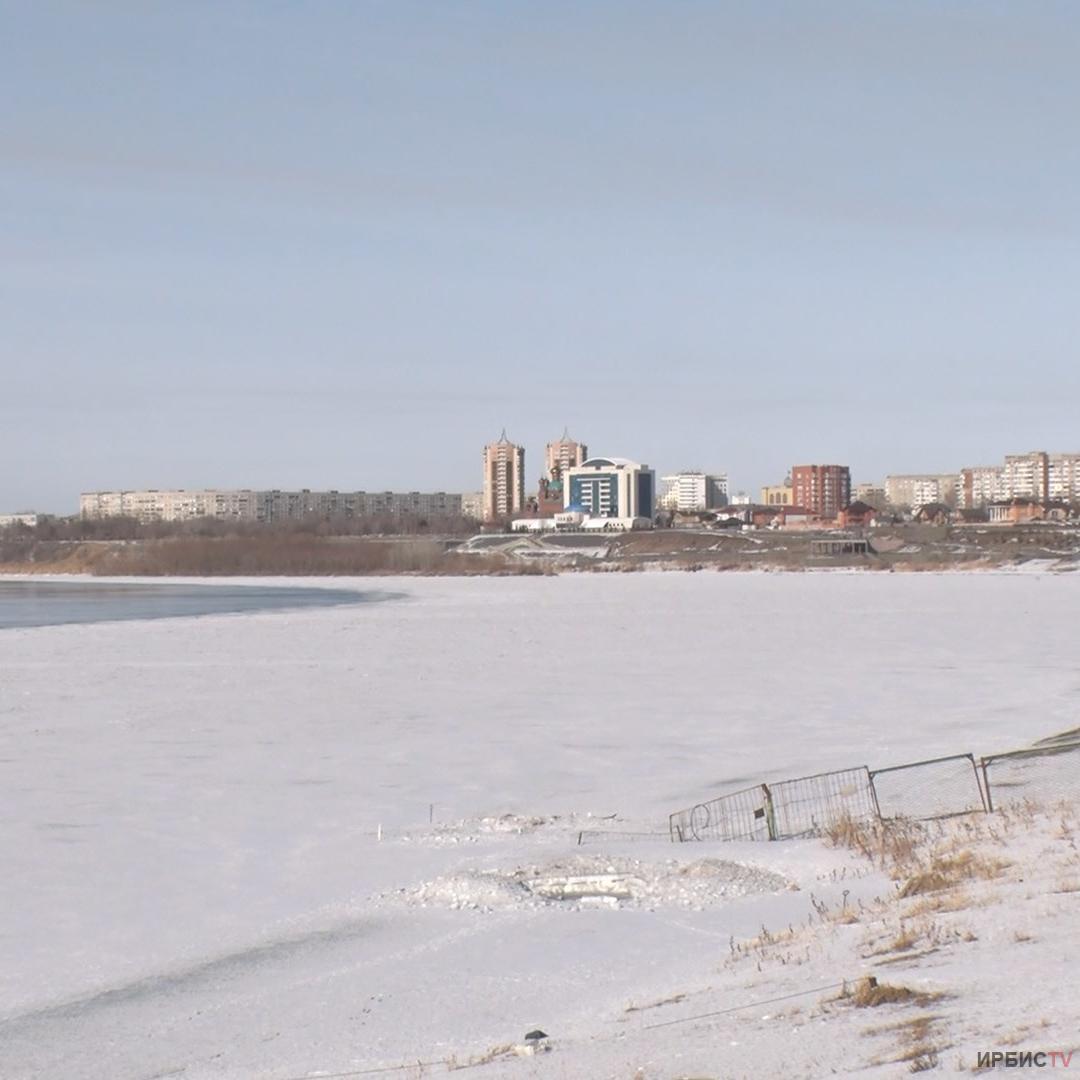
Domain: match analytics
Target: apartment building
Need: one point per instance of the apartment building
(7, 521)
(1064, 477)
(1039, 475)
(688, 492)
(504, 479)
(264, 506)
(1027, 475)
(871, 494)
(562, 455)
(981, 484)
(823, 490)
(921, 489)
(472, 504)
(1035, 475)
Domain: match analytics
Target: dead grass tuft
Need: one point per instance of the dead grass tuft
(914, 1029)
(869, 994)
(906, 940)
(919, 1048)
(945, 871)
(942, 903)
(891, 845)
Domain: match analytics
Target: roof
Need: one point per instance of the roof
(609, 462)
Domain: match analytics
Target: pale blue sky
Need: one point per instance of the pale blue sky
(343, 244)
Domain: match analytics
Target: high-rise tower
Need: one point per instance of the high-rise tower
(504, 479)
(563, 454)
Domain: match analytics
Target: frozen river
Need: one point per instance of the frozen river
(192, 875)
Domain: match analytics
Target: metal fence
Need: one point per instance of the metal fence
(742, 815)
(1043, 774)
(921, 791)
(937, 788)
(779, 811)
(809, 804)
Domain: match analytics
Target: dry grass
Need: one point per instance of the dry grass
(892, 846)
(915, 1029)
(905, 941)
(869, 994)
(1068, 886)
(947, 871)
(919, 1046)
(943, 903)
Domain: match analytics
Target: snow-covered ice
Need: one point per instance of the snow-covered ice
(195, 885)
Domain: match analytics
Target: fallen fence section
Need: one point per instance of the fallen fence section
(779, 811)
(936, 788)
(742, 815)
(1042, 774)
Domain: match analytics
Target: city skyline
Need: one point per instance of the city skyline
(732, 238)
(1047, 475)
(1049, 478)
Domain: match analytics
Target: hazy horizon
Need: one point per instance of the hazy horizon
(344, 245)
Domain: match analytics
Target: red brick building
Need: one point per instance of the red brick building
(824, 490)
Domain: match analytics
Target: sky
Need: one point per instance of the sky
(344, 243)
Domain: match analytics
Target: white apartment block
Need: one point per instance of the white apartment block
(687, 492)
(921, 489)
(1027, 475)
(1064, 477)
(244, 504)
(8, 520)
(1035, 475)
(982, 484)
(472, 504)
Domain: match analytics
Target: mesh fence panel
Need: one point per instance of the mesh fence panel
(742, 815)
(805, 806)
(1042, 775)
(936, 788)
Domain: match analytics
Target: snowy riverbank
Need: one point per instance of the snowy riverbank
(194, 879)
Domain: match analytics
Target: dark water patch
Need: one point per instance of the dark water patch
(59, 603)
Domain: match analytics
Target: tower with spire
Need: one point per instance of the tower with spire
(504, 479)
(563, 454)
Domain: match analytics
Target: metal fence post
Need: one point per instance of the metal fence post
(982, 787)
(873, 792)
(770, 814)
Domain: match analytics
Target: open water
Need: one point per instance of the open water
(54, 603)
